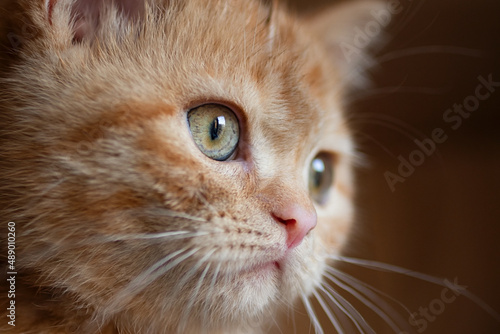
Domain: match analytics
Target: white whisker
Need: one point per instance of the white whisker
(158, 270)
(385, 91)
(343, 304)
(387, 125)
(407, 18)
(329, 313)
(312, 316)
(291, 311)
(431, 49)
(368, 290)
(190, 273)
(192, 299)
(211, 290)
(392, 123)
(163, 235)
(380, 266)
(177, 214)
(277, 325)
(388, 119)
(379, 144)
(150, 275)
(367, 302)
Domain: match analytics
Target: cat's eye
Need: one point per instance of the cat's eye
(215, 130)
(320, 177)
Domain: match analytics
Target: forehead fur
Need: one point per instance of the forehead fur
(192, 52)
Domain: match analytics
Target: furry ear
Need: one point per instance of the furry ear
(88, 15)
(349, 29)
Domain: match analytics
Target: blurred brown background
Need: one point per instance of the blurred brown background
(444, 220)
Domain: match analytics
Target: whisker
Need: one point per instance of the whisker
(176, 214)
(347, 308)
(211, 290)
(291, 310)
(387, 125)
(163, 235)
(384, 267)
(379, 311)
(382, 146)
(381, 266)
(190, 274)
(422, 31)
(193, 297)
(314, 319)
(407, 18)
(277, 325)
(158, 270)
(368, 290)
(150, 275)
(390, 119)
(374, 93)
(396, 125)
(329, 313)
(431, 49)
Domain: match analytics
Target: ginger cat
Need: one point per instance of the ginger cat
(170, 166)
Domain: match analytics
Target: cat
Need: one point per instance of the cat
(171, 166)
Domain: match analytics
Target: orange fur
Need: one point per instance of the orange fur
(96, 153)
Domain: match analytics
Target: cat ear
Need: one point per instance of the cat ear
(88, 15)
(348, 30)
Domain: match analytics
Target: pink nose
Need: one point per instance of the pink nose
(298, 222)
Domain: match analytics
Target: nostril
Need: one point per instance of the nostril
(298, 222)
(283, 221)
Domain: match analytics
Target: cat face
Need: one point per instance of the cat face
(177, 168)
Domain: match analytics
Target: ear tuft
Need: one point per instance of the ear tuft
(88, 15)
(49, 7)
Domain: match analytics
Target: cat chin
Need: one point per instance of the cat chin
(242, 312)
(303, 274)
(239, 302)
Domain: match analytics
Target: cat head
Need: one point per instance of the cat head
(176, 164)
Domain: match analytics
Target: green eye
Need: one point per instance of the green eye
(320, 177)
(215, 130)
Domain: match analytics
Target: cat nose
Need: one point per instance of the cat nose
(298, 222)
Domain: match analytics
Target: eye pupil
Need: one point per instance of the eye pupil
(217, 127)
(214, 130)
(317, 179)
